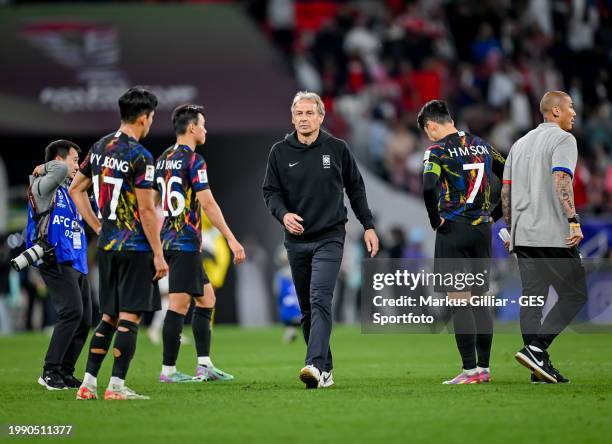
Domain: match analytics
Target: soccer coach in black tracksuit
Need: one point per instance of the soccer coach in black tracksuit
(306, 176)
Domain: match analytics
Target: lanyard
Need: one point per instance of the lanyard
(70, 203)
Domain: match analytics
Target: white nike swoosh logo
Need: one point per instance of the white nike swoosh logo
(293, 164)
(540, 363)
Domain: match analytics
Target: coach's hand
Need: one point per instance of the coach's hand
(237, 251)
(161, 267)
(39, 170)
(575, 236)
(371, 241)
(292, 223)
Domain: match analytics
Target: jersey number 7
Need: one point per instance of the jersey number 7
(479, 175)
(116, 182)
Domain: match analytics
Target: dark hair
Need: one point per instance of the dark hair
(435, 111)
(60, 148)
(135, 102)
(184, 115)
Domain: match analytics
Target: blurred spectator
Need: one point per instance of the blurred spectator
(486, 48)
(397, 243)
(502, 85)
(400, 144)
(286, 297)
(361, 41)
(414, 249)
(378, 136)
(598, 128)
(281, 20)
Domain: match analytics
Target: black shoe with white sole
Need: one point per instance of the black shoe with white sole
(558, 376)
(71, 382)
(536, 380)
(537, 362)
(560, 379)
(52, 380)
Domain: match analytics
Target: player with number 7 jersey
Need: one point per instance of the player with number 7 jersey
(118, 164)
(130, 255)
(463, 165)
(457, 192)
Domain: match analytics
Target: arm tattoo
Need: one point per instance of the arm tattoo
(565, 192)
(506, 208)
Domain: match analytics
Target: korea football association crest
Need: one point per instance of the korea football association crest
(326, 161)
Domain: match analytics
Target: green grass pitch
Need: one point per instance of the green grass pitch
(388, 390)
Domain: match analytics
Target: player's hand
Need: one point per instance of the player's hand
(237, 251)
(292, 223)
(371, 241)
(161, 267)
(39, 170)
(575, 236)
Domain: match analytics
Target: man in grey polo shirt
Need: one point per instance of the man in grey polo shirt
(538, 206)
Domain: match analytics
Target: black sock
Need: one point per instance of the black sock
(173, 326)
(100, 343)
(465, 336)
(538, 342)
(484, 334)
(125, 346)
(528, 337)
(200, 323)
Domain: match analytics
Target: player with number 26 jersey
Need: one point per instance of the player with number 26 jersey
(118, 164)
(182, 185)
(180, 174)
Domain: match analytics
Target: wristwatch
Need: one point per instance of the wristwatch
(575, 219)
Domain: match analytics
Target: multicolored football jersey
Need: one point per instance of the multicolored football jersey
(464, 164)
(118, 164)
(179, 174)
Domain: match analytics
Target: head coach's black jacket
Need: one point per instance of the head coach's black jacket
(309, 180)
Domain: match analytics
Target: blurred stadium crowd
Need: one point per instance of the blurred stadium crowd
(376, 63)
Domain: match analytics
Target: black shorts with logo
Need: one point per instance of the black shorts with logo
(126, 282)
(186, 272)
(463, 248)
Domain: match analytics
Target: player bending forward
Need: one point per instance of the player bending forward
(457, 192)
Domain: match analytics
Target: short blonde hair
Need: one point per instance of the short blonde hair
(307, 95)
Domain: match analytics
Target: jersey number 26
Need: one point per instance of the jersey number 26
(168, 196)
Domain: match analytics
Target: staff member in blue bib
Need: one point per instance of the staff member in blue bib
(53, 220)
